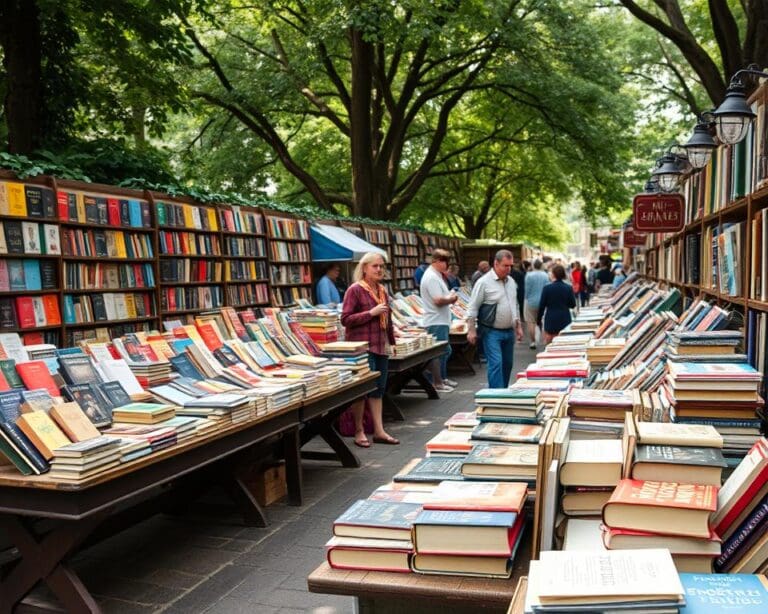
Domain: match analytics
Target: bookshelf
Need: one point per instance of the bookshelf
(722, 251)
(290, 259)
(405, 259)
(191, 267)
(381, 237)
(355, 229)
(427, 244)
(246, 266)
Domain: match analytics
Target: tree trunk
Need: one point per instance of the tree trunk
(20, 40)
(361, 143)
(138, 128)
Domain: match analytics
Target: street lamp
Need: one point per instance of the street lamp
(733, 116)
(668, 171)
(700, 146)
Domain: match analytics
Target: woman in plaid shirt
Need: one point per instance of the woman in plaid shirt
(365, 316)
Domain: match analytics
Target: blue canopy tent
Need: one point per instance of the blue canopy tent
(335, 244)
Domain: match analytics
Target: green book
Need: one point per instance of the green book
(8, 367)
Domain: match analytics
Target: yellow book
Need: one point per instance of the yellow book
(162, 349)
(188, 216)
(3, 198)
(42, 432)
(80, 200)
(213, 222)
(17, 202)
(130, 306)
(120, 245)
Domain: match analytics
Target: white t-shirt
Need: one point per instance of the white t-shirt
(433, 286)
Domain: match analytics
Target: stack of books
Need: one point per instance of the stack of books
(502, 462)
(742, 513)
(649, 514)
(143, 413)
(77, 461)
(322, 325)
(589, 474)
(563, 368)
(155, 436)
(600, 352)
(462, 421)
(702, 346)
(516, 405)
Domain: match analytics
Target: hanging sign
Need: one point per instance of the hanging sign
(632, 238)
(658, 212)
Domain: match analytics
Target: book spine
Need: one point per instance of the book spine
(24, 446)
(744, 537)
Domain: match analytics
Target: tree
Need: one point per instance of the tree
(739, 31)
(385, 82)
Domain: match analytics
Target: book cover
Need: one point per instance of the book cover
(16, 275)
(31, 235)
(366, 516)
(665, 494)
(24, 446)
(32, 279)
(678, 455)
(91, 402)
(48, 274)
(42, 432)
(13, 454)
(51, 241)
(732, 593)
(115, 393)
(36, 400)
(35, 375)
(74, 422)
(466, 518)
(478, 496)
(507, 432)
(78, 369)
(745, 535)
(450, 441)
(7, 313)
(14, 238)
(523, 455)
(33, 196)
(667, 433)
(25, 312)
(432, 469)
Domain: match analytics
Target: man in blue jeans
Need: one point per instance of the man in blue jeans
(437, 301)
(493, 309)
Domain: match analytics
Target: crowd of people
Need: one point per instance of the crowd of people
(505, 296)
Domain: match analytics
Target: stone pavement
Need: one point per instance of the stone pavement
(206, 561)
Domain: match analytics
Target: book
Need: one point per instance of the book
(34, 374)
(91, 402)
(744, 537)
(668, 433)
(661, 507)
(507, 432)
(377, 519)
(36, 400)
(31, 234)
(459, 565)
(724, 593)
(689, 464)
(622, 539)
(449, 442)
(369, 554)
(595, 581)
(592, 463)
(42, 432)
(496, 461)
(478, 496)
(466, 532)
(78, 369)
(433, 469)
(114, 393)
(74, 422)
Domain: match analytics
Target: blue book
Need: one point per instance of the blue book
(134, 213)
(10, 402)
(466, 518)
(24, 446)
(183, 365)
(179, 345)
(377, 519)
(32, 279)
(732, 593)
(432, 469)
(68, 351)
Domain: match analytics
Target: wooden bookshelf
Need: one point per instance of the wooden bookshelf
(246, 265)
(290, 259)
(355, 229)
(405, 259)
(191, 266)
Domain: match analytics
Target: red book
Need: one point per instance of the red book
(33, 338)
(62, 202)
(35, 375)
(209, 336)
(51, 307)
(3, 383)
(25, 312)
(661, 507)
(547, 373)
(113, 211)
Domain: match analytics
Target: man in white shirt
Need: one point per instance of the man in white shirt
(496, 293)
(437, 314)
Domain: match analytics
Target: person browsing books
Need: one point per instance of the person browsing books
(437, 314)
(534, 284)
(493, 312)
(365, 317)
(557, 300)
(327, 292)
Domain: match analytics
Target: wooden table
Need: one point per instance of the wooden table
(379, 592)
(403, 369)
(83, 511)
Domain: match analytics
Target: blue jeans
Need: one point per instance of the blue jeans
(441, 333)
(499, 347)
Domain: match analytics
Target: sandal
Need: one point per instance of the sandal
(363, 444)
(391, 441)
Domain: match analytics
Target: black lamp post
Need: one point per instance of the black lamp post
(733, 116)
(700, 146)
(668, 171)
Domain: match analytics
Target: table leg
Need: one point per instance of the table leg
(241, 494)
(391, 409)
(292, 453)
(418, 375)
(42, 560)
(464, 355)
(324, 428)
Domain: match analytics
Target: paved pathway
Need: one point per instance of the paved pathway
(207, 561)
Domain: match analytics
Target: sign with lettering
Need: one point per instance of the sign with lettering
(632, 238)
(658, 212)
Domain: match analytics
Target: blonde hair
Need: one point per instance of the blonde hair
(367, 259)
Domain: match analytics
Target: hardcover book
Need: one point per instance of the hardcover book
(31, 235)
(115, 393)
(377, 519)
(466, 532)
(661, 507)
(78, 369)
(507, 432)
(90, 401)
(514, 462)
(724, 593)
(687, 464)
(478, 496)
(433, 469)
(369, 554)
(42, 432)
(592, 463)
(74, 422)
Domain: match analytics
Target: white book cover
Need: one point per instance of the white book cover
(13, 347)
(121, 311)
(118, 370)
(594, 451)
(109, 306)
(39, 309)
(52, 243)
(31, 233)
(584, 534)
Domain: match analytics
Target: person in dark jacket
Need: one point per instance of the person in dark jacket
(557, 300)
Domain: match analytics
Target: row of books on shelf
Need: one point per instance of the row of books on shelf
(107, 307)
(182, 215)
(289, 252)
(30, 274)
(282, 297)
(29, 238)
(248, 294)
(189, 243)
(287, 228)
(101, 276)
(291, 274)
(28, 312)
(404, 238)
(189, 270)
(181, 298)
(245, 246)
(84, 208)
(247, 270)
(241, 219)
(106, 244)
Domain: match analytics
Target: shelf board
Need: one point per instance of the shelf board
(27, 218)
(103, 323)
(737, 206)
(31, 329)
(167, 284)
(759, 305)
(201, 256)
(109, 290)
(233, 257)
(183, 229)
(235, 233)
(96, 226)
(288, 239)
(247, 281)
(29, 292)
(27, 256)
(109, 259)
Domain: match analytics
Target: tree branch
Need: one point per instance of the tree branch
(727, 35)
